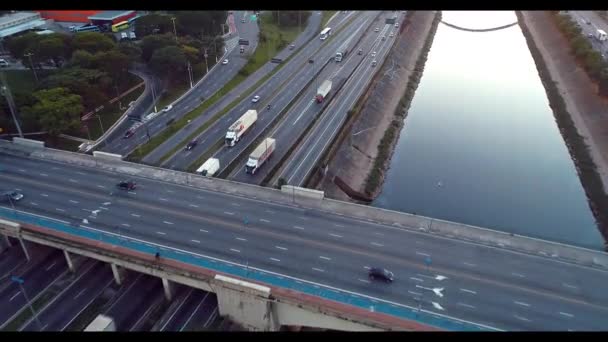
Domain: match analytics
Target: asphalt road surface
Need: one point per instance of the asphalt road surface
(490, 286)
(278, 91)
(178, 138)
(196, 309)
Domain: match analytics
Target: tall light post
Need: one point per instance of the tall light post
(100, 125)
(174, 30)
(154, 95)
(29, 55)
(20, 281)
(206, 65)
(5, 90)
(190, 74)
(118, 97)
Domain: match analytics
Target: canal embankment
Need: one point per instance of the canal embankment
(579, 111)
(357, 170)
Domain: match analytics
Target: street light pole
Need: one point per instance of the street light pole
(20, 281)
(190, 74)
(11, 105)
(100, 125)
(154, 95)
(29, 55)
(206, 65)
(174, 30)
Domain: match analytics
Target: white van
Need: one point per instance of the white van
(3, 63)
(123, 35)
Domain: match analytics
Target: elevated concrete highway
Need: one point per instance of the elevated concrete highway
(309, 254)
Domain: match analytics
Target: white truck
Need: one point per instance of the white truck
(260, 155)
(101, 323)
(323, 91)
(600, 35)
(240, 126)
(209, 168)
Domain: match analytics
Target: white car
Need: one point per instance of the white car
(225, 61)
(255, 99)
(168, 108)
(374, 63)
(391, 35)
(373, 53)
(377, 29)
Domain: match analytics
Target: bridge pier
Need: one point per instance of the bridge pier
(116, 273)
(6, 244)
(168, 286)
(27, 255)
(68, 259)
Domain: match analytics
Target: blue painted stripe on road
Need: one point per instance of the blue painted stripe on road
(245, 272)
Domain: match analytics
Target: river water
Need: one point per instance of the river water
(480, 144)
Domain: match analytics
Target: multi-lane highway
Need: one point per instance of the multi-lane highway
(178, 138)
(354, 70)
(278, 91)
(491, 286)
(204, 89)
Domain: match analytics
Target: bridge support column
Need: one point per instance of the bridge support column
(68, 259)
(246, 303)
(27, 255)
(116, 273)
(168, 288)
(5, 244)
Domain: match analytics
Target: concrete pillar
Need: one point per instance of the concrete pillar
(116, 273)
(27, 255)
(8, 241)
(68, 259)
(168, 288)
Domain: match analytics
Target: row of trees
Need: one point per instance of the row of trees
(591, 60)
(92, 66)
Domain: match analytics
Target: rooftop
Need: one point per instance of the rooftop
(9, 18)
(108, 15)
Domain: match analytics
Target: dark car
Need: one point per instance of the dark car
(126, 185)
(129, 134)
(191, 144)
(311, 61)
(381, 274)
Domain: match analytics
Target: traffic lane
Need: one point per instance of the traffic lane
(178, 313)
(284, 97)
(35, 281)
(206, 309)
(10, 260)
(49, 313)
(132, 307)
(473, 258)
(282, 74)
(186, 311)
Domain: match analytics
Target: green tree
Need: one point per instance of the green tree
(197, 23)
(192, 54)
(52, 48)
(92, 42)
(153, 24)
(56, 110)
(114, 63)
(132, 51)
(17, 46)
(152, 43)
(82, 59)
(167, 62)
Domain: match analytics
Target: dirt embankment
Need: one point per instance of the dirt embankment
(350, 168)
(581, 114)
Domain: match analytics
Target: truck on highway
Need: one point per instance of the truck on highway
(323, 91)
(260, 155)
(209, 168)
(101, 323)
(600, 35)
(341, 54)
(240, 126)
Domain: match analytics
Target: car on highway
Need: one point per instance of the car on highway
(3, 63)
(311, 61)
(11, 195)
(191, 144)
(291, 47)
(377, 29)
(396, 25)
(373, 53)
(255, 99)
(588, 22)
(360, 52)
(391, 35)
(383, 38)
(168, 108)
(225, 61)
(374, 63)
(126, 185)
(378, 273)
(243, 20)
(129, 133)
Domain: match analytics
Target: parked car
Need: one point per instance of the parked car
(255, 99)
(225, 61)
(168, 108)
(12, 195)
(129, 133)
(191, 144)
(126, 185)
(381, 274)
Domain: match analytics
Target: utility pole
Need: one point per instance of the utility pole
(190, 74)
(206, 65)
(154, 96)
(118, 97)
(29, 55)
(5, 90)
(100, 125)
(174, 30)
(215, 49)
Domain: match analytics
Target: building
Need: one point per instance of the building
(111, 17)
(18, 22)
(69, 16)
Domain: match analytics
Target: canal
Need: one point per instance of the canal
(480, 144)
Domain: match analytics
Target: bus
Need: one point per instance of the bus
(123, 25)
(87, 28)
(325, 33)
